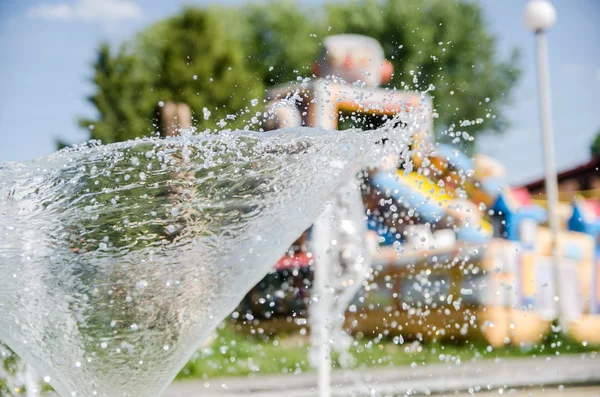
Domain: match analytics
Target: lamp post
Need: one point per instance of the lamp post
(539, 16)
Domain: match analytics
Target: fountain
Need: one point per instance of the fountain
(351, 68)
(117, 261)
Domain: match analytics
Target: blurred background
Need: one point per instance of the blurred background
(76, 70)
(52, 49)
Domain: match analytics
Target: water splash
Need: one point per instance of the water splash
(117, 261)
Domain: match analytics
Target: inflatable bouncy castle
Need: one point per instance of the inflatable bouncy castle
(583, 321)
(459, 253)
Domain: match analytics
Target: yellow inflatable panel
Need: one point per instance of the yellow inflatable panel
(440, 196)
(427, 187)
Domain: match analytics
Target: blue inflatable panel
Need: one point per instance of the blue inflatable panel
(492, 186)
(472, 235)
(426, 209)
(455, 157)
(386, 236)
(578, 223)
(513, 218)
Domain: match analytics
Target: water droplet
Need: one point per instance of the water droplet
(141, 284)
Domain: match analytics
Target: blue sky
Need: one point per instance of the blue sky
(46, 47)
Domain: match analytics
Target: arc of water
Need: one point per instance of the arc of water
(319, 310)
(31, 381)
(30, 376)
(119, 311)
(342, 258)
(355, 260)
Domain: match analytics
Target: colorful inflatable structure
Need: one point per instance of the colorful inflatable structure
(584, 321)
(460, 253)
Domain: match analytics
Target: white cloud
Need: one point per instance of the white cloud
(57, 11)
(105, 11)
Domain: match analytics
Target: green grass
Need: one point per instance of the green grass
(239, 354)
(236, 353)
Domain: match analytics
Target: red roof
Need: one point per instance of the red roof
(591, 165)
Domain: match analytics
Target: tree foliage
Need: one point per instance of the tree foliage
(189, 58)
(439, 44)
(222, 58)
(9, 367)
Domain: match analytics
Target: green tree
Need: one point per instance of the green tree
(221, 58)
(283, 40)
(124, 99)
(438, 44)
(190, 58)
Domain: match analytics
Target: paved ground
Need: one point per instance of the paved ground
(512, 377)
(593, 391)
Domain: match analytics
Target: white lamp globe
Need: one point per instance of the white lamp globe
(539, 15)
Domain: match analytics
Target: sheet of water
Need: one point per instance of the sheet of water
(117, 261)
